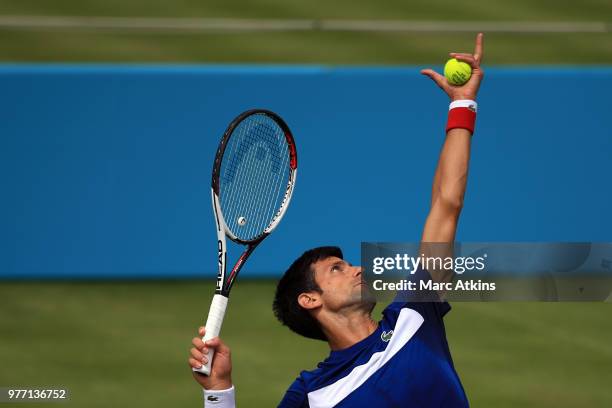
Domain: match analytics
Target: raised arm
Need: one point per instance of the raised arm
(450, 179)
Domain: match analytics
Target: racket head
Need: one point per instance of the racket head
(253, 175)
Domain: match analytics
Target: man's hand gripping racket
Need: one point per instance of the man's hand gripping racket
(252, 181)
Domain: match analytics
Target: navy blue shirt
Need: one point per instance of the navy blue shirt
(404, 363)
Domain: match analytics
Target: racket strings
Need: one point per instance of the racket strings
(255, 209)
(254, 174)
(274, 179)
(249, 141)
(261, 132)
(235, 158)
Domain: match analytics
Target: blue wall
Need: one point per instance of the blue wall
(105, 169)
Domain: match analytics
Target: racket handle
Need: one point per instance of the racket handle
(213, 327)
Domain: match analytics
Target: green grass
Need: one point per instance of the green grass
(126, 344)
(20, 45)
(501, 10)
(314, 47)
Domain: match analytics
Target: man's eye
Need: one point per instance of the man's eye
(335, 268)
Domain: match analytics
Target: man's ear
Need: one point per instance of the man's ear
(309, 300)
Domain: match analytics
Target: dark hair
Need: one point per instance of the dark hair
(299, 278)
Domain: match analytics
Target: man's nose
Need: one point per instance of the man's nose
(357, 270)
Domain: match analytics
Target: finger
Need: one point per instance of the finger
(478, 49)
(197, 354)
(194, 363)
(197, 342)
(218, 345)
(462, 54)
(437, 78)
(467, 59)
(201, 331)
(214, 342)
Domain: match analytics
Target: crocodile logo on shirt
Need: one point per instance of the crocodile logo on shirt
(386, 336)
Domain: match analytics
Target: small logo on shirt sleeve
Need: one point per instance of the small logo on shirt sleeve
(386, 336)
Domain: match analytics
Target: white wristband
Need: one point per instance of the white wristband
(220, 398)
(464, 103)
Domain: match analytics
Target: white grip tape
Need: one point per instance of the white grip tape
(213, 327)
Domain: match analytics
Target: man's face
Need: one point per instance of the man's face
(342, 284)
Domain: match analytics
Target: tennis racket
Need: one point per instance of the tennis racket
(252, 181)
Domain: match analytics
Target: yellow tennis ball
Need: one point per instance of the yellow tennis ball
(457, 72)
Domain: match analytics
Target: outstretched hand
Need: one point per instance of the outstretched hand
(469, 90)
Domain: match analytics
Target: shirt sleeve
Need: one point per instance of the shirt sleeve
(220, 398)
(295, 397)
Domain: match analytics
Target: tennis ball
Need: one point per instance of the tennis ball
(457, 72)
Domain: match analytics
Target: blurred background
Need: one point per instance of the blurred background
(111, 114)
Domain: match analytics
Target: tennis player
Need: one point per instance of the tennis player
(403, 360)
